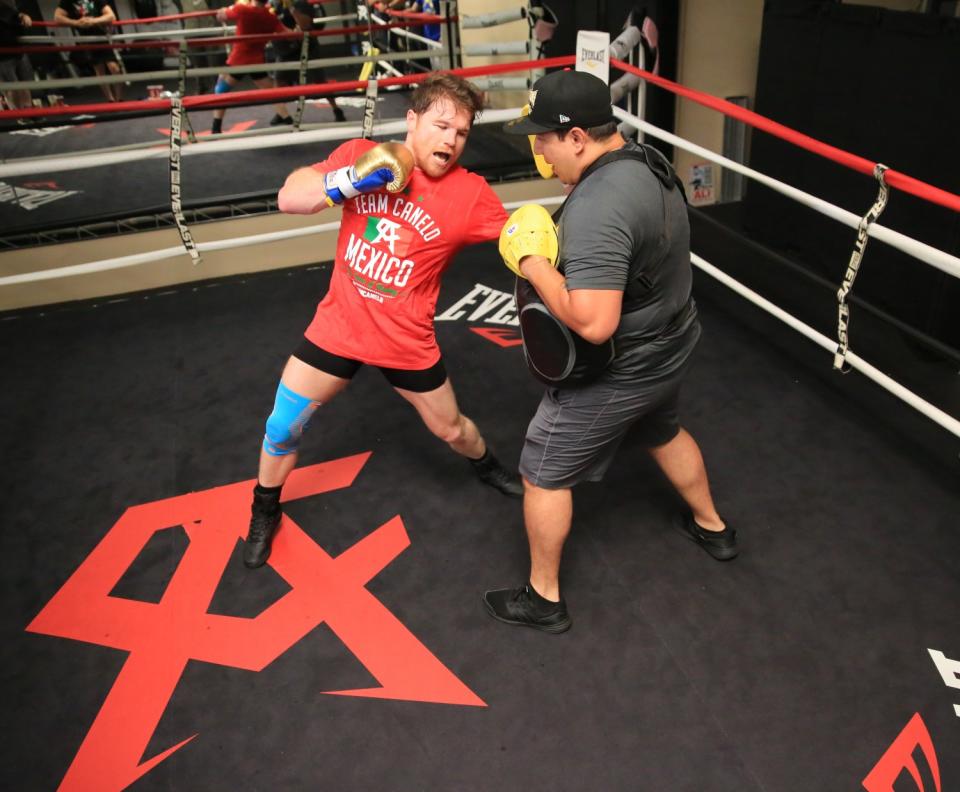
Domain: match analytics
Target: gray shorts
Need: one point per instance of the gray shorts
(576, 432)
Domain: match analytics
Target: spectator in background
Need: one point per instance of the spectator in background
(254, 18)
(432, 29)
(92, 18)
(298, 14)
(202, 57)
(14, 68)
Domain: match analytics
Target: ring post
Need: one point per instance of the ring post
(447, 9)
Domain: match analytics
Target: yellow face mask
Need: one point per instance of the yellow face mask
(544, 168)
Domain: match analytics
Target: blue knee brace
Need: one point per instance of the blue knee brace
(222, 86)
(288, 421)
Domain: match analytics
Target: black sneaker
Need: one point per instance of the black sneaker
(722, 545)
(490, 471)
(519, 606)
(279, 120)
(338, 115)
(256, 551)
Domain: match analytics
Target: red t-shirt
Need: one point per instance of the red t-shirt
(391, 252)
(251, 19)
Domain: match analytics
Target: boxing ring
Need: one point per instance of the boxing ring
(793, 668)
(922, 252)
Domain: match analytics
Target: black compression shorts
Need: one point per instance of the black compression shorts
(416, 380)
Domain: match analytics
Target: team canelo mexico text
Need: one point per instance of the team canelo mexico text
(375, 269)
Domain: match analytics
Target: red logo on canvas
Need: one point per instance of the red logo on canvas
(162, 637)
(499, 335)
(899, 757)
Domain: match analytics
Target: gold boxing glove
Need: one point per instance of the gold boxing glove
(544, 168)
(529, 231)
(384, 167)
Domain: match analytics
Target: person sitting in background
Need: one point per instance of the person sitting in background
(92, 18)
(299, 14)
(14, 68)
(254, 18)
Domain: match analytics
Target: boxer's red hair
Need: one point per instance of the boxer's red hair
(439, 87)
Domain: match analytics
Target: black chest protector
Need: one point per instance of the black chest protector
(555, 354)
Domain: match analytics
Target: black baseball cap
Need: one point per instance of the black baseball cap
(563, 100)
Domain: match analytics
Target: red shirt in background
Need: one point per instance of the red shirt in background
(251, 19)
(391, 252)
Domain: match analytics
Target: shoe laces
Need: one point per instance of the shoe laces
(497, 475)
(522, 593)
(261, 526)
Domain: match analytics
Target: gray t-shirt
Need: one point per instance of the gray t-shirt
(622, 215)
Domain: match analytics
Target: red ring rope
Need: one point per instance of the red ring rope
(267, 95)
(168, 18)
(894, 178)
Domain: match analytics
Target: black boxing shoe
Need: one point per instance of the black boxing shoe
(279, 120)
(338, 115)
(490, 471)
(525, 607)
(256, 549)
(722, 545)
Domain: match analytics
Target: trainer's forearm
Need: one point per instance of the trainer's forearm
(552, 288)
(593, 314)
(303, 193)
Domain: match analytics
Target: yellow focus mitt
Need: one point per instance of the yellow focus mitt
(544, 168)
(529, 231)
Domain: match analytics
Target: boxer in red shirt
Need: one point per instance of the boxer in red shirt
(407, 209)
(252, 18)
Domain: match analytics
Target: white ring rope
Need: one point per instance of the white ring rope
(403, 33)
(493, 19)
(226, 30)
(920, 250)
(26, 167)
(204, 247)
(209, 71)
(253, 132)
(948, 422)
(164, 253)
(498, 48)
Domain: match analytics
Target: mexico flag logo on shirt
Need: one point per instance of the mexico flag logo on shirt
(381, 231)
(377, 260)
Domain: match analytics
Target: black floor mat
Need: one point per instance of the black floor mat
(126, 426)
